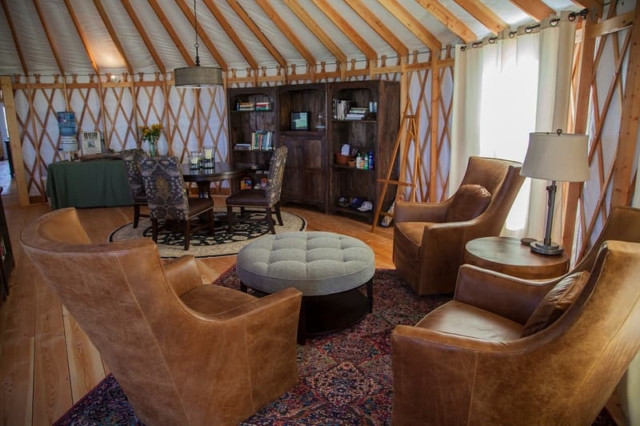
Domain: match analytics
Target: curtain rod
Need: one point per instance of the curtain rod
(528, 29)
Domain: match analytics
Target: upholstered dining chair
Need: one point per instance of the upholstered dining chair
(131, 159)
(183, 352)
(168, 200)
(510, 351)
(429, 238)
(267, 199)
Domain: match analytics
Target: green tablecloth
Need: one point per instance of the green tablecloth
(96, 183)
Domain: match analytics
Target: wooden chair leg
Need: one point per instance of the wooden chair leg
(136, 215)
(229, 218)
(154, 227)
(187, 234)
(269, 218)
(278, 214)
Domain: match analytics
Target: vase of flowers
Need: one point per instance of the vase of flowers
(151, 134)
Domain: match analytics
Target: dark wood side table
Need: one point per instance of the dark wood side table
(508, 256)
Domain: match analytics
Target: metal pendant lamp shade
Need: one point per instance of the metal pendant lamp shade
(197, 77)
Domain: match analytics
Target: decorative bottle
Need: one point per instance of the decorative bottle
(371, 167)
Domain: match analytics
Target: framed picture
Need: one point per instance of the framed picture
(300, 120)
(91, 143)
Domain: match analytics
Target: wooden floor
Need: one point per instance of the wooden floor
(46, 361)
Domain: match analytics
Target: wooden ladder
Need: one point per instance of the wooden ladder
(408, 137)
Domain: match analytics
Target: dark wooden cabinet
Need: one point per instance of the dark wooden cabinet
(304, 177)
(373, 131)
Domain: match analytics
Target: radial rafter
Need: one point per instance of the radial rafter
(346, 28)
(284, 28)
(203, 35)
(83, 39)
(483, 14)
(143, 35)
(45, 26)
(257, 32)
(171, 31)
(374, 22)
(534, 8)
(215, 11)
(412, 24)
(448, 19)
(14, 34)
(113, 34)
(316, 30)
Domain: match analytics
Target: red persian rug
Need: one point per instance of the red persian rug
(344, 378)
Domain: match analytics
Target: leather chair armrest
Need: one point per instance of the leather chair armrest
(266, 307)
(504, 295)
(184, 274)
(407, 211)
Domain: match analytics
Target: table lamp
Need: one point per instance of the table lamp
(556, 157)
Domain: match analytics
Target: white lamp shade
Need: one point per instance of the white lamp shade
(197, 77)
(557, 156)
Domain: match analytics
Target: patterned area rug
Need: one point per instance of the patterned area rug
(222, 243)
(344, 378)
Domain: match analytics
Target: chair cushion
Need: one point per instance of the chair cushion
(556, 302)
(249, 197)
(215, 299)
(468, 203)
(461, 319)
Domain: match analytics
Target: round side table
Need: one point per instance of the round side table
(509, 256)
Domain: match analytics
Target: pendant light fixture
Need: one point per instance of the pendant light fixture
(197, 76)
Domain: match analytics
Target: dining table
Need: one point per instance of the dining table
(221, 170)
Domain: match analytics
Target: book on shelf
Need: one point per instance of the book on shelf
(242, 146)
(263, 106)
(262, 140)
(245, 106)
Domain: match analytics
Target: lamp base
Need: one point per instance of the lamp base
(553, 249)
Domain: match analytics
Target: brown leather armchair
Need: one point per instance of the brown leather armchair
(476, 360)
(184, 353)
(429, 239)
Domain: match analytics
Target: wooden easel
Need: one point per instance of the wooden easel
(408, 136)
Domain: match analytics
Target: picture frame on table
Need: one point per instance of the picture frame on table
(91, 143)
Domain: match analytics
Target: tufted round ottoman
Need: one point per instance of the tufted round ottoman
(327, 268)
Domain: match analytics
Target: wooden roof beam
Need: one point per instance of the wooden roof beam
(348, 30)
(257, 32)
(316, 30)
(448, 19)
(374, 22)
(282, 26)
(43, 21)
(143, 34)
(83, 39)
(203, 36)
(23, 62)
(483, 14)
(172, 32)
(412, 24)
(594, 6)
(231, 33)
(534, 8)
(112, 33)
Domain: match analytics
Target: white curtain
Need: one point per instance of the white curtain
(503, 91)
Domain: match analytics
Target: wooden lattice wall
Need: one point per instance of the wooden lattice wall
(605, 77)
(192, 119)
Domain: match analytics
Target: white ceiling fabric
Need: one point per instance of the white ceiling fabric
(39, 57)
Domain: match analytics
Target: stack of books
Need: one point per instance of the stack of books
(246, 106)
(356, 114)
(263, 106)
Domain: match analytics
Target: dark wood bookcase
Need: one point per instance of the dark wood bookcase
(311, 175)
(244, 123)
(6, 253)
(375, 132)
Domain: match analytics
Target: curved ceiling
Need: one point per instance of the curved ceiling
(84, 37)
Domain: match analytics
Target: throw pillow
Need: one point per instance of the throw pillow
(556, 302)
(468, 203)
